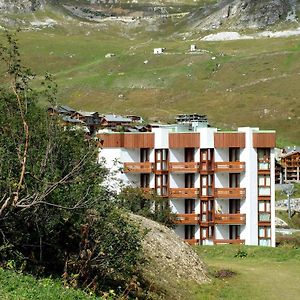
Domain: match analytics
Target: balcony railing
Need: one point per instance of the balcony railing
(183, 193)
(230, 241)
(230, 219)
(187, 219)
(264, 217)
(183, 167)
(141, 167)
(192, 241)
(230, 193)
(230, 167)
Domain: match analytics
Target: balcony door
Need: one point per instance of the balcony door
(234, 154)
(189, 206)
(145, 154)
(234, 180)
(189, 180)
(189, 154)
(189, 232)
(234, 206)
(234, 232)
(145, 180)
(161, 159)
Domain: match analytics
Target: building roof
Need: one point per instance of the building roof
(116, 118)
(283, 155)
(72, 120)
(87, 113)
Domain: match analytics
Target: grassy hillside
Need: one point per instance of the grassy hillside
(263, 274)
(15, 286)
(236, 83)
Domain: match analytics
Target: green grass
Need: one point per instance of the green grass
(266, 273)
(14, 286)
(279, 195)
(255, 85)
(294, 222)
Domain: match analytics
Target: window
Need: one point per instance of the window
(161, 185)
(234, 180)
(145, 180)
(206, 159)
(189, 154)
(145, 154)
(234, 154)
(161, 159)
(264, 236)
(189, 206)
(264, 185)
(189, 232)
(264, 211)
(189, 180)
(207, 185)
(263, 157)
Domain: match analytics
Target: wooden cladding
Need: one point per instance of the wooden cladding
(264, 140)
(230, 167)
(184, 140)
(227, 219)
(126, 140)
(186, 219)
(226, 140)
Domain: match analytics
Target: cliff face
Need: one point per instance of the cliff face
(20, 5)
(248, 14)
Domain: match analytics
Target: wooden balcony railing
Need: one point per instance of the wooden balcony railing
(230, 167)
(192, 241)
(230, 193)
(230, 219)
(141, 167)
(187, 219)
(183, 192)
(230, 241)
(183, 167)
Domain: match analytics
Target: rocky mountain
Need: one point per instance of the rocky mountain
(223, 13)
(245, 14)
(20, 5)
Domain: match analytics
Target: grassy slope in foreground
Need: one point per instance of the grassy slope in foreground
(15, 286)
(249, 83)
(266, 273)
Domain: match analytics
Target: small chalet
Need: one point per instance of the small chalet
(90, 119)
(290, 162)
(61, 110)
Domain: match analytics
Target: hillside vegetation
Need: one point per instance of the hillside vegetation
(236, 83)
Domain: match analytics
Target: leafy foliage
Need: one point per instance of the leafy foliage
(55, 216)
(146, 205)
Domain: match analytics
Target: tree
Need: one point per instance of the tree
(55, 213)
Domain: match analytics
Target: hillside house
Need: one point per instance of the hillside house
(220, 184)
(158, 51)
(61, 110)
(290, 163)
(114, 121)
(90, 119)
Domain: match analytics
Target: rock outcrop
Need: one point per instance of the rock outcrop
(170, 262)
(20, 5)
(255, 14)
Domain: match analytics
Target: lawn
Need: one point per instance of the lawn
(14, 286)
(266, 273)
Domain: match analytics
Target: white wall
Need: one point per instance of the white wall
(176, 180)
(130, 155)
(221, 180)
(221, 154)
(221, 232)
(176, 155)
(207, 137)
(273, 234)
(161, 138)
(177, 206)
(249, 181)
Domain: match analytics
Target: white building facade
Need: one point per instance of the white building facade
(220, 184)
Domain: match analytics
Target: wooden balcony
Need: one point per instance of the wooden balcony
(230, 193)
(230, 167)
(230, 219)
(183, 167)
(232, 241)
(192, 241)
(183, 192)
(141, 167)
(186, 219)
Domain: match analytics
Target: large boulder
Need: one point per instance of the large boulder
(171, 264)
(20, 5)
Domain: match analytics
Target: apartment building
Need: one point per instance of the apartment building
(220, 184)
